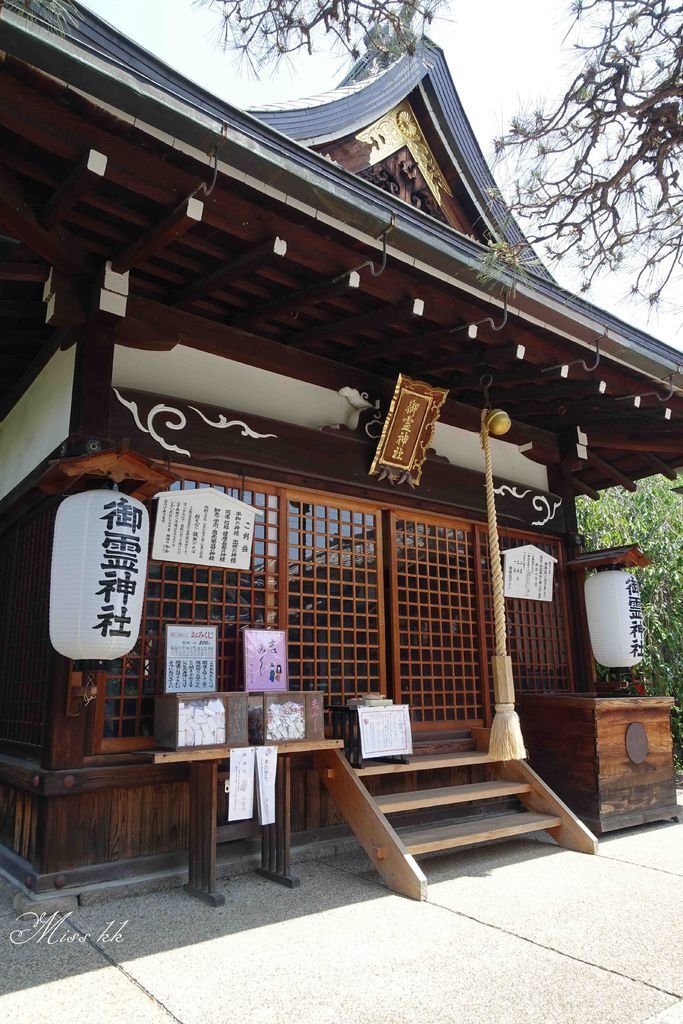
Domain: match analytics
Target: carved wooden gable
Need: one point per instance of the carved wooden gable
(394, 154)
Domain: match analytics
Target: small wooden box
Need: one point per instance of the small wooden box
(183, 721)
(277, 717)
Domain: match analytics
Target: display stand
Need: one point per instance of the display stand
(276, 839)
(346, 727)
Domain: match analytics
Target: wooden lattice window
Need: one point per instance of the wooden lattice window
(194, 595)
(335, 613)
(437, 664)
(537, 631)
(26, 655)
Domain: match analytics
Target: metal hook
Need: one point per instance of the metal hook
(651, 394)
(383, 265)
(564, 367)
(472, 327)
(205, 189)
(486, 381)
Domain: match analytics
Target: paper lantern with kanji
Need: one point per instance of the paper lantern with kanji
(99, 568)
(615, 618)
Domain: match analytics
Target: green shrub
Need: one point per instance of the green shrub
(652, 518)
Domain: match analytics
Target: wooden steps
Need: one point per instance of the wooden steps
(527, 805)
(393, 802)
(429, 762)
(448, 837)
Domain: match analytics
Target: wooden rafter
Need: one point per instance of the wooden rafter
(295, 301)
(611, 472)
(661, 466)
(374, 319)
(487, 358)
(583, 488)
(253, 259)
(185, 216)
(14, 271)
(18, 217)
(82, 179)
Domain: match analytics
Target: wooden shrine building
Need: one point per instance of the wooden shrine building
(193, 295)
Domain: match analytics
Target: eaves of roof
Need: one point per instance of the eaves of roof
(97, 60)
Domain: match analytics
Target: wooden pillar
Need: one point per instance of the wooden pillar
(201, 880)
(584, 664)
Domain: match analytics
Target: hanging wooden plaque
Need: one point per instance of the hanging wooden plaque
(408, 431)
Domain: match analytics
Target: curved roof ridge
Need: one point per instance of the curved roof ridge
(338, 92)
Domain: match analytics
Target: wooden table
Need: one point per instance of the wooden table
(275, 839)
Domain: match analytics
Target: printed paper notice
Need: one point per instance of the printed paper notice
(528, 573)
(241, 802)
(266, 769)
(190, 659)
(385, 731)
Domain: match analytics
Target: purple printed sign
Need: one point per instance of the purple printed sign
(265, 660)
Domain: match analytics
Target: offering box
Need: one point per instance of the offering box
(188, 720)
(277, 717)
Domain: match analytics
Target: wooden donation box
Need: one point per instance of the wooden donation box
(183, 721)
(609, 758)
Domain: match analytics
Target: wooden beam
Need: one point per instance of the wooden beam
(17, 308)
(384, 316)
(82, 179)
(164, 327)
(20, 220)
(253, 259)
(661, 466)
(412, 308)
(23, 271)
(582, 488)
(495, 358)
(172, 226)
(611, 472)
(295, 301)
(650, 443)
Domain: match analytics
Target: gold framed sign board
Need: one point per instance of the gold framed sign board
(408, 431)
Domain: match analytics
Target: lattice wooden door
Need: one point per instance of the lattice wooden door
(436, 612)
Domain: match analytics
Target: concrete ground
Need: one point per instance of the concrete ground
(512, 933)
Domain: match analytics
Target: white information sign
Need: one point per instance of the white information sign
(190, 659)
(266, 770)
(241, 800)
(528, 573)
(204, 527)
(385, 731)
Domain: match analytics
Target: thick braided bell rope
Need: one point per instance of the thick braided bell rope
(500, 630)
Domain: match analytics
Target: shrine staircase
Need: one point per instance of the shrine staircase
(449, 795)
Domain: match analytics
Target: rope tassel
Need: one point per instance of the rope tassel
(506, 742)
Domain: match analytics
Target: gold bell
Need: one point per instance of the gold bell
(498, 422)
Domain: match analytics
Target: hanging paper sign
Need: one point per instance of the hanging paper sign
(241, 799)
(385, 732)
(266, 770)
(408, 430)
(204, 527)
(528, 573)
(265, 660)
(190, 659)
(99, 567)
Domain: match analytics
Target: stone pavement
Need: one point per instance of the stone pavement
(513, 933)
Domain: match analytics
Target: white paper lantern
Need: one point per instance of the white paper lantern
(99, 570)
(615, 618)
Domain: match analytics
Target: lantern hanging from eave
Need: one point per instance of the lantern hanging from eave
(615, 618)
(99, 569)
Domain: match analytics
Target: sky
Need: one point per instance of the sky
(504, 56)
